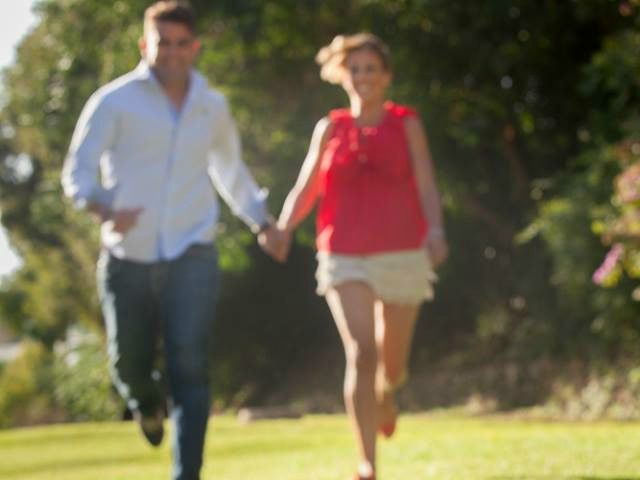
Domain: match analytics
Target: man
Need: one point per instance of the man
(143, 157)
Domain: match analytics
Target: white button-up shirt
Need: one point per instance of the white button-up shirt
(130, 150)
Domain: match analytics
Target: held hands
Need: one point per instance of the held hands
(436, 245)
(275, 242)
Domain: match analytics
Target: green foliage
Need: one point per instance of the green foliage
(25, 387)
(608, 394)
(522, 101)
(81, 384)
(70, 383)
(253, 351)
(583, 205)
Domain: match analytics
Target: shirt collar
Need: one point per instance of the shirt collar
(143, 72)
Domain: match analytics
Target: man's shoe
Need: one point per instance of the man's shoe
(151, 426)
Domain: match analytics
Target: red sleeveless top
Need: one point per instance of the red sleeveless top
(369, 201)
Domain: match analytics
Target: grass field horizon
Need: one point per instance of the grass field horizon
(319, 447)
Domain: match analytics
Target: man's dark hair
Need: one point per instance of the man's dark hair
(171, 11)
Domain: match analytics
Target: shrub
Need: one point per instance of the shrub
(25, 387)
(81, 383)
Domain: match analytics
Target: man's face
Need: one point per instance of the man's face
(170, 50)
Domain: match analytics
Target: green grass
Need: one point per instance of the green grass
(320, 448)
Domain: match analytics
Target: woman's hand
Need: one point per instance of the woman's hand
(437, 247)
(275, 242)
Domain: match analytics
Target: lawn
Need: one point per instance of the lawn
(429, 446)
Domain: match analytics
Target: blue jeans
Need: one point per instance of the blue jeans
(169, 303)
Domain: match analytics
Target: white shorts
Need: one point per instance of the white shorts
(401, 277)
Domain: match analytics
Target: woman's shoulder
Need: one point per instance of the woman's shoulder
(339, 115)
(399, 110)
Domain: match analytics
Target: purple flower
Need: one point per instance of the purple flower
(609, 263)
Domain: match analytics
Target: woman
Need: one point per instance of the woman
(379, 230)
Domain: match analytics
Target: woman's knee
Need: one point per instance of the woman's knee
(395, 377)
(363, 357)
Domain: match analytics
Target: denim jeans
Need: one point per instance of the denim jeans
(171, 304)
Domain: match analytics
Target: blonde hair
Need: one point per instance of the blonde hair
(332, 57)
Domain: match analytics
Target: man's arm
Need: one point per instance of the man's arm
(93, 135)
(237, 187)
(232, 178)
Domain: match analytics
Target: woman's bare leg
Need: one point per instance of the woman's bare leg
(352, 307)
(395, 325)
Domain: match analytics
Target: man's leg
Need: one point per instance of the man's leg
(132, 331)
(190, 308)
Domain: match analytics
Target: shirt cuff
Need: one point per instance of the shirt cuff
(255, 215)
(98, 195)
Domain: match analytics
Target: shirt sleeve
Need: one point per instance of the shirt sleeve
(230, 175)
(92, 137)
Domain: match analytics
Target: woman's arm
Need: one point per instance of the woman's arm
(304, 193)
(424, 174)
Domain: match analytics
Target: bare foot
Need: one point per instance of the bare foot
(387, 415)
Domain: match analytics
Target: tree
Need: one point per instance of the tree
(497, 85)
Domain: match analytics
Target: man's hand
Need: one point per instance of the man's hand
(125, 219)
(122, 220)
(275, 242)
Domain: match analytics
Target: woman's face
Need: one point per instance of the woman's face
(365, 75)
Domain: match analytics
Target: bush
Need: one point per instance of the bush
(70, 383)
(81, 383)
(25, 388)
